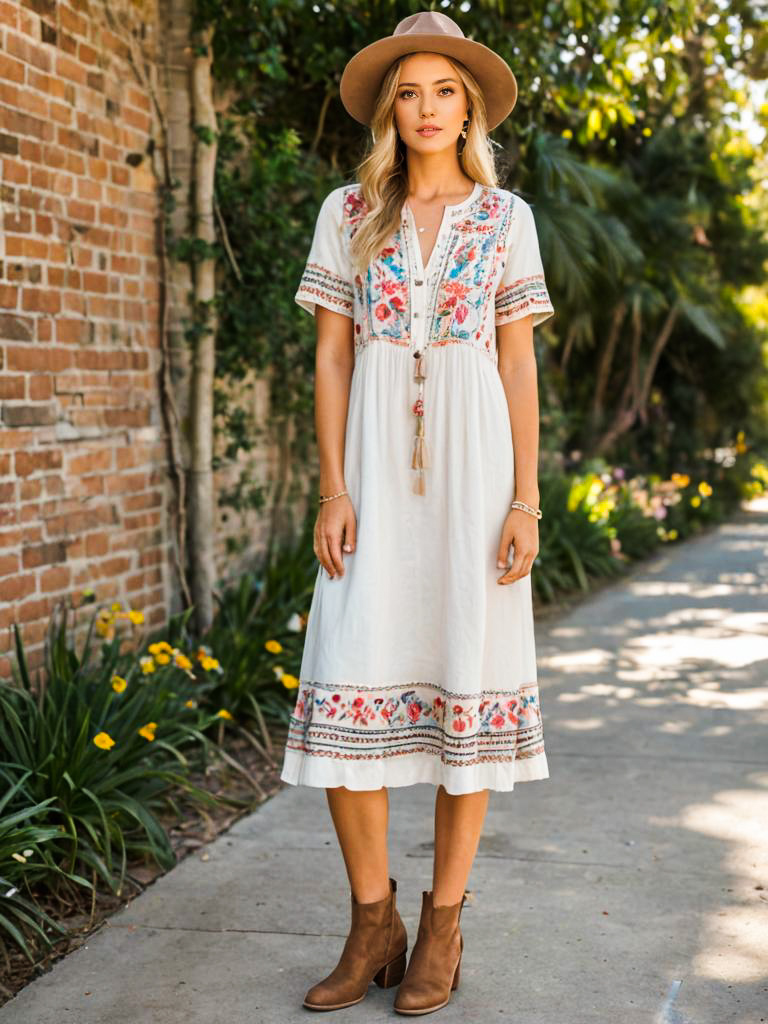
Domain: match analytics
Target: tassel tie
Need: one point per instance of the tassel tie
(420, 459)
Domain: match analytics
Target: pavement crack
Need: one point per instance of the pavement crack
(222, 931)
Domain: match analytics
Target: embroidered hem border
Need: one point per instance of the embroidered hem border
(350, 723)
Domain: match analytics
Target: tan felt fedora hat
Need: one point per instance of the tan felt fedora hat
(437, 33)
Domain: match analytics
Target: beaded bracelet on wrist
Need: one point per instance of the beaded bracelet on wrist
(329, 497)
(527, 508)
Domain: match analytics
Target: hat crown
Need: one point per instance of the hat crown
(428, 23)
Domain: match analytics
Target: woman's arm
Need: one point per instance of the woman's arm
(334, 362)
(517, 369)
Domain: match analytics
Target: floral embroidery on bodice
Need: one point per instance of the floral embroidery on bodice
(468, 262)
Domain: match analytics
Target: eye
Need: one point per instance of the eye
(448, 87)
(404, 93)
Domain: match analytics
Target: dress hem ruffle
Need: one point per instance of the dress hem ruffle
(300, 769)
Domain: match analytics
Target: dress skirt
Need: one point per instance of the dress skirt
(417, 665)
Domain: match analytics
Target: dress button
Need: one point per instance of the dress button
(418, 283)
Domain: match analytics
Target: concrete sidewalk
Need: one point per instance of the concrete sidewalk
(632, 885)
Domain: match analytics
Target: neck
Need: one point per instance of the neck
(433, 175)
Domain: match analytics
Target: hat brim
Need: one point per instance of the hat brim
(364, 73)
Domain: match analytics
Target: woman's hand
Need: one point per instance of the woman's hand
(336, 520)
(521, 529)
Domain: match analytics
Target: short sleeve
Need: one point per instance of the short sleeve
(327, 276)
(522, 289)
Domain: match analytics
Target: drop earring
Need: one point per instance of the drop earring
(463, 134)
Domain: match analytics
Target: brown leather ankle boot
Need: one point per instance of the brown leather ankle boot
(433, 968)
(374, 951)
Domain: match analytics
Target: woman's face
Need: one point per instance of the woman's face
(429, 93)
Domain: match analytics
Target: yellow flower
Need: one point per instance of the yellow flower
(740, 447)
(103, 740)
(705, 489)
(147, 665)
(161, 647)
(223, 713)
(741, 436)
(681, 479)
(148, 730)
(672, 534)
(209, 663)
(289, 682)
(136, 617)
(116, 606)
(695, 501)
(273, 646)
(104, 628)
(162, 658)
(118, 684)
(182, 660)
(190, 704)
(567, 133)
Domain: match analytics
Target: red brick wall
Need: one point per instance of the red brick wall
(83, 482)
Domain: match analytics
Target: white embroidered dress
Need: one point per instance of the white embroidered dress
(417, 665)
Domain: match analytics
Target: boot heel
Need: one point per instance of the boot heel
(455, 982)
(391, 973)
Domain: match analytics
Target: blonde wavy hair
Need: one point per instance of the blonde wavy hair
(383, 175)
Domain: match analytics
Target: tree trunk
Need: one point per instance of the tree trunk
(634, 398)
(201, 491)
(603, 375)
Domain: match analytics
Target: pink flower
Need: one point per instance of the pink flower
(414, 710)
(461, 313)
(358, 702)
(458, 708)
(383, 312)
(336, 696)
(497, 721)
(459, 725)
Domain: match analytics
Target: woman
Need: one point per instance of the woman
(419, 664)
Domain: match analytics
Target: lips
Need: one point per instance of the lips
(432, 130)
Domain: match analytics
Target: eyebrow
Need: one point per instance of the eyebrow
(437, 81)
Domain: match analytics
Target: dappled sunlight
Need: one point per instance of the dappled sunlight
(695, 589)
(736, 700)
(729, 651)
(582, 724)
(609, 690)
(577, 661)
(734, 936)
